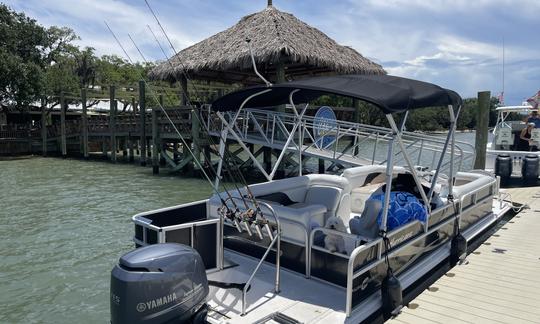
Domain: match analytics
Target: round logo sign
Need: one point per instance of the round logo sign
(141, 307)
(324, 126)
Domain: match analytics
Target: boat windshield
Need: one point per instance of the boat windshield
(515, 126)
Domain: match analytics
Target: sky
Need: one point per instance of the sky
(457, 44)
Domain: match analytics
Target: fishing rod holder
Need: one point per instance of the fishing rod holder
(249, 218)
(245, 220)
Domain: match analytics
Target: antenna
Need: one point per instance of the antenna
(503, 70)
(268, 84)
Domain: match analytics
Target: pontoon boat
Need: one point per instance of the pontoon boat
(275, 252)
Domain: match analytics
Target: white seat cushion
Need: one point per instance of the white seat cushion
(305, 215)
(360, 195)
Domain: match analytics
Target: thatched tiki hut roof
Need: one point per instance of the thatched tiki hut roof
(284, 47)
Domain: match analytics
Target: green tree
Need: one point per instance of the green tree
(23, 47)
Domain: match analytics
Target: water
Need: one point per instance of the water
(63, 225)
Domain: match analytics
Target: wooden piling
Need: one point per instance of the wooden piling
(104, 147)
(112, 122)
(142, 112)
(195, 133)
(124, 146)
(131, 144)
(163, 146)
(482, 121)
(63, 109)
(267, 159)
(321, 166)
(84, 123)
(155, 142)
(43, 127)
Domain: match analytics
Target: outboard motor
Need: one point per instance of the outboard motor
(160, 283)
(503, 166)
(529, 167)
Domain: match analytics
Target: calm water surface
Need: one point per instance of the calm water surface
(63, 225)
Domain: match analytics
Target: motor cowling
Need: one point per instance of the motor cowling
(160, 283)
(503, 166)
(529, 167)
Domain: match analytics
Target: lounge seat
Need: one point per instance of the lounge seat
(366, 224)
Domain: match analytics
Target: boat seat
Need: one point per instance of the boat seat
(298, 219)
(366, 225)
(360, 195)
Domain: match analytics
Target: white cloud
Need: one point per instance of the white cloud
(457, 44)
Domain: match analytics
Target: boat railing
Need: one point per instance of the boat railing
(181, 224)
(341, 141)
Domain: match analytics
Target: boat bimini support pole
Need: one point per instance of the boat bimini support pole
(449, 138)
(228, 128)
(397, 136)
(298, 121)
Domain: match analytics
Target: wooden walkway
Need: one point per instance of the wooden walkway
(501, 282)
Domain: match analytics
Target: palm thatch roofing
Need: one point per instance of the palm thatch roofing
(279, 41)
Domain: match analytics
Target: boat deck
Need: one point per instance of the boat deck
(323, 303)
(500, 282)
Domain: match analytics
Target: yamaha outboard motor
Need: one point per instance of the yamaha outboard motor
(529, 168)
(160, 283)
(503, 166)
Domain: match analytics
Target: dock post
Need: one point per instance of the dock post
(321, 166)
(142, 112)
(63, 140)
(162, 146)
(131, 143)
(267, 159)
(482, 121)
(43, 128)
(155, 142)
(176, 147)
(84, 123)
(124, 145)
(112, 122)
(195, 133)
(104, 147)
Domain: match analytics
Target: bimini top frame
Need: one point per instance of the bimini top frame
(391, 94)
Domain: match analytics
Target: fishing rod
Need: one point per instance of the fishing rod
(210, 163)
(249, 216)
(250, 194)
(228, 213)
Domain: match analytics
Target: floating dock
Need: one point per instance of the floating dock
(498, 284)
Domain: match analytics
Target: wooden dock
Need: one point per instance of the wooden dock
(499, 284)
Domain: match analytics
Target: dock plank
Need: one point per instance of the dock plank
(500, 283)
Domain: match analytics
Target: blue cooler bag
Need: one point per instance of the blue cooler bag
(404, 208)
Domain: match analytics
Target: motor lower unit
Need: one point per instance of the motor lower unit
(529, 167)
(161, 283)
(503, 166)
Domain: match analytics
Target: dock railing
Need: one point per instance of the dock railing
(342, 142)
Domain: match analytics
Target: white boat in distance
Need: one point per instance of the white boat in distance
(509, 154)
(318, 248)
